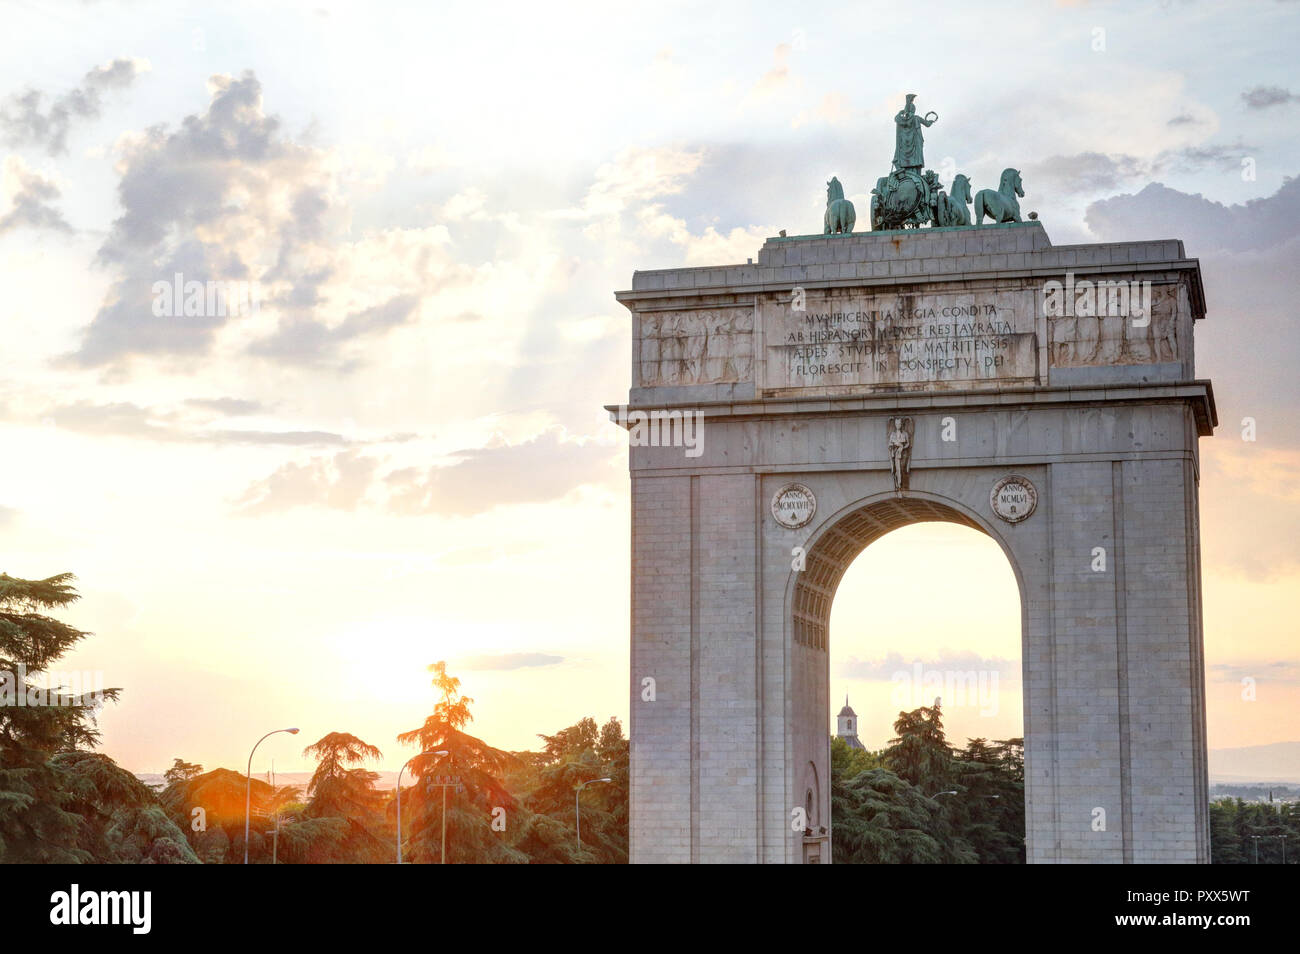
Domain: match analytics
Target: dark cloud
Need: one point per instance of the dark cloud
(124, 419)
(535, 471)
(228, 196)
(182, 214)
(1099, 172)
(175, 181)
(1262, 97)
(1158, 211)
(1184, 119)
(1249, 348)
(1085, 171)
(25, 120)
(505, 662)
(305, 341)
(31, 203)
(1190, 158)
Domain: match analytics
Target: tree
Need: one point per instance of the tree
(990, 807)
(121, 820)
(479, 766)
(549, 781)
(848, 762)
(880, 818)
(181, 771)
(1235, 826)
(341, 789)
(37, 721)
(922, 801)
(920, 753)
(209, 809)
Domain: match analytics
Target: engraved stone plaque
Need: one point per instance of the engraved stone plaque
(793, 506)
(1013, 498)
(936, 341)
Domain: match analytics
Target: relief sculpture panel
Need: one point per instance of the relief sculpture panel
(713, 346)
(1101, 328)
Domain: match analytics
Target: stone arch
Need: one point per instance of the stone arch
(845, 534)
(833, 546)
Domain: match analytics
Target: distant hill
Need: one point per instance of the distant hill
(1279, 762)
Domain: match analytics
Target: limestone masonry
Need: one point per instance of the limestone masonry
(900, 377)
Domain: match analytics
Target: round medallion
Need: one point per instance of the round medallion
(793, 506)
(1013, 498)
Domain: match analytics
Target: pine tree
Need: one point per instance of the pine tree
(479, 767)
(342, 789)
(37, 820)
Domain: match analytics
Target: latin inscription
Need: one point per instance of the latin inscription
(1013, 498)
(900, 341)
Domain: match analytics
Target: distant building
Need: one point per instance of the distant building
(848, 726)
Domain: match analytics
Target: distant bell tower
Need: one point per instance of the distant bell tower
(848, 726)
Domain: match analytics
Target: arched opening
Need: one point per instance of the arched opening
(934, 610)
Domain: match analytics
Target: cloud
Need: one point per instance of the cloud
(542, 469)
(339, 482)
(777, 79)
(227, 406)
(227, 196)
(1085, 171)
(1098, 172)
(1225, 158)
(505, 662)
(1202, 223)
(30, 195)
(1273, 673)
(8, 517)
(203, 201)
(832, 110)
(636, 175)
(25, 120)
(124, 419)
(307, 342)
(1262, 97)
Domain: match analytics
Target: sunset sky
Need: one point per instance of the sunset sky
(281, 517)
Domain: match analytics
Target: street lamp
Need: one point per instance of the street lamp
(577, 811)
(1255, 839)
(399, 797)
(248, 788)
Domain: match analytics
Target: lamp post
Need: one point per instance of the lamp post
(399, 797)
(248, 787)
(577, 810)
(1255, 839)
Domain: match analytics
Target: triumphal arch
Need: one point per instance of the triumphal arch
(786, 412)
